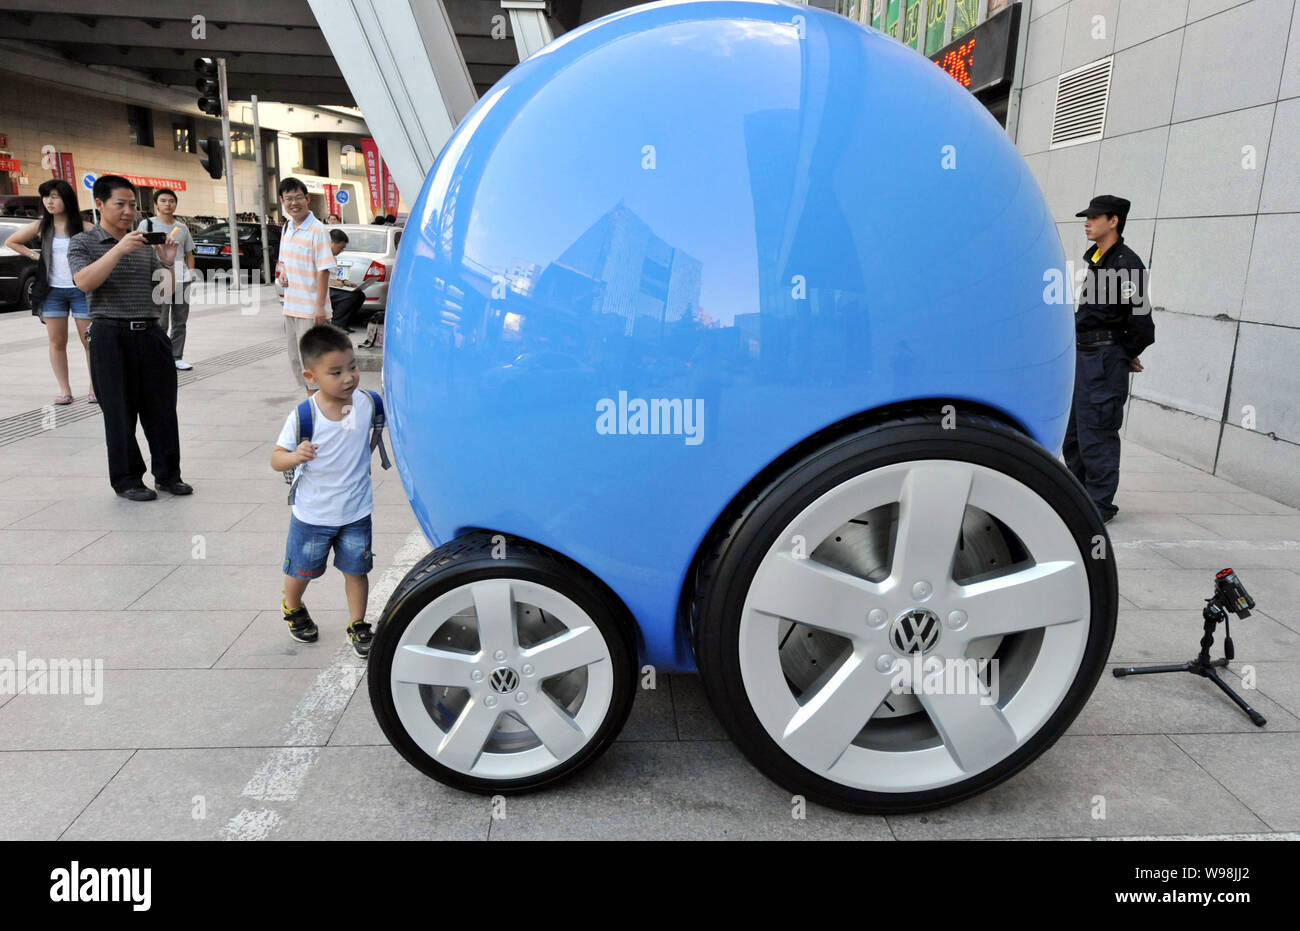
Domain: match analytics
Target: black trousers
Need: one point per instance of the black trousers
(346, 306)
(1092, 435)
(134, 376)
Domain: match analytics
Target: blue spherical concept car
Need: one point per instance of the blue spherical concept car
(718, 341)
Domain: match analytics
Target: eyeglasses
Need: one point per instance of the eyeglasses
(294, 200)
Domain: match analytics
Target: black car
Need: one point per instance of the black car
(212, 246)
(17, 272)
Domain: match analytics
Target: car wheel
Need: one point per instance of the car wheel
(26, 290)
(906, 616)
(499, 666)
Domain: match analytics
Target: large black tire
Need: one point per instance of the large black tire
(728, 566)
(471, 559)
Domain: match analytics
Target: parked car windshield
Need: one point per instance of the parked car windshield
(367, 241)
(222, 231)
(8, 226)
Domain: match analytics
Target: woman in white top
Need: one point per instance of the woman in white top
(54, 293)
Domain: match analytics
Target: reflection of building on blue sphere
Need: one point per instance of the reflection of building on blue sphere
(796, 255)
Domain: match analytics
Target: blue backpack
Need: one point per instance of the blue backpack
(377, 422)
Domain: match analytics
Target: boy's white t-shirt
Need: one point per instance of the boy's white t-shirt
(335, 487)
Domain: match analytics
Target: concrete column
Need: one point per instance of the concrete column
(529, 25)
(405, 68)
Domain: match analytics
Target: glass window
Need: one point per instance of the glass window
(241, 144)
(352, 162)
(183, 136)
(139, 123)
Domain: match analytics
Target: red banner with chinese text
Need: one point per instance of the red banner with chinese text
(391, 196)
(370, 152)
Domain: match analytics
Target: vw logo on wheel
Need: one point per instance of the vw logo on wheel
(915, 631)
(504, 679)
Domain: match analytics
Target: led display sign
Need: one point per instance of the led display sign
(984, 59)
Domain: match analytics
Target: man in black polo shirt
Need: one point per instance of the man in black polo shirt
(131, 363)
(1112, 325)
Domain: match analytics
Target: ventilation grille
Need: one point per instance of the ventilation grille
(1081, 98)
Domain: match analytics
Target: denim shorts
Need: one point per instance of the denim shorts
(309, 546)
(62, 300)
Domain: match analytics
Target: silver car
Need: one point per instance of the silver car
(366, 263)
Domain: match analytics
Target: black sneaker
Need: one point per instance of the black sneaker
(359, 636)
(301, 626)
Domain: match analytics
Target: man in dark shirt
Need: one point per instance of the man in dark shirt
(131, 363)
(1113, 326)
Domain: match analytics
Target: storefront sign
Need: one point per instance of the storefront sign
(968, 14)
(10, 164)
(176, 184)
(893, 13)
(912, 23)
(330, 204)
(936, 22)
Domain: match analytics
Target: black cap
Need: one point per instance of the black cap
(1106, 204)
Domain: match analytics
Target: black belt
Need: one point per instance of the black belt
(140, 323)
(1098, 337)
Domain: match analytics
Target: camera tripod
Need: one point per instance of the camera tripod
(1229, 597)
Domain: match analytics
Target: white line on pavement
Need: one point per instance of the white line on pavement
(1211, 544)
(281, 776)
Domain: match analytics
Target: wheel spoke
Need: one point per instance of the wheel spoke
(930, 512)
(580, 646)
(808, 592)
(555, 729)
(822, 729)
(462, 746)
(1040, 596)
(976, 734)
(494, 605)
(430, 666)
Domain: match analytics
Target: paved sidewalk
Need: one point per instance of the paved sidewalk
(213, 723)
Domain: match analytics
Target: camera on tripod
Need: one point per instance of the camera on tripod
(1230, 597)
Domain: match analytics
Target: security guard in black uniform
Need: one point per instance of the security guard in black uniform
(1113, 325)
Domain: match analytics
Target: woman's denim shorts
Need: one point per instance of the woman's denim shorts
(60, 301)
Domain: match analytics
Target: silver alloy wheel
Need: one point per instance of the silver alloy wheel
(1032, 616)
(502, 679)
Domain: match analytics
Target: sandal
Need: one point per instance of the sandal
(92, 399)
(62, 399)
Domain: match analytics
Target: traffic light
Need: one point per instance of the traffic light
(214, 158)
(208, 86)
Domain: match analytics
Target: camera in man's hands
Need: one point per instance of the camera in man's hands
(155, 239)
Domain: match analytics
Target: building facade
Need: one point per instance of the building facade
(1191, 110)
(1200, 133)
(158, 147)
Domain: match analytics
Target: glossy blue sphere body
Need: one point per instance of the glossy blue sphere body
(679, 241)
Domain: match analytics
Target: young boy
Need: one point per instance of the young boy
(332, 500)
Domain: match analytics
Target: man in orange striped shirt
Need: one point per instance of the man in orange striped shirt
(307, 262)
